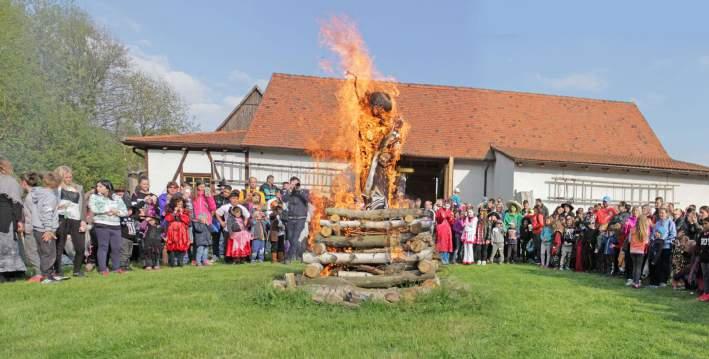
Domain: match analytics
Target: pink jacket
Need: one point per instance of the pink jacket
(203, 206)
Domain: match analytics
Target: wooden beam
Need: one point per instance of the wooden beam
(179, 167)
(214, 168)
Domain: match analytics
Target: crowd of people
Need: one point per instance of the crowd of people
(45, 218)
(657, 245)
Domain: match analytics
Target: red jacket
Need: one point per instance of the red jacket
(604, 215)
(537, 223)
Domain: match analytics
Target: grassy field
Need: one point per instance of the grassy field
(229, 311)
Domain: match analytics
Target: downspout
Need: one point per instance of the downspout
(487, 167)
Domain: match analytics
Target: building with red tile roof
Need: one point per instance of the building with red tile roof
(485, 142)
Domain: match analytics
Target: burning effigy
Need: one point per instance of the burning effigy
(365, 244)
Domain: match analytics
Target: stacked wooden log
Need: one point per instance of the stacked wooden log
(382, 254)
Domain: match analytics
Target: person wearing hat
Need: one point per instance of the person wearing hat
(513, 215)
(568, 209)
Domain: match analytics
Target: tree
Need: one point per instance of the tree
(68, 94)
(142, 105)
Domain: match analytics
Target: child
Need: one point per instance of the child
(178, 238)
(202, 240)
(479, 246)
(152, 243)
(610, 244)
(498, 242)
(129, 232)
(469, 236)
(238, 245)
(511, 242)
(460, 216)
(277, 232)
(588, 243)
(444, 234)
(567, 246)
(259, 226)
(526, 235)
(546, 239)
(557, 240)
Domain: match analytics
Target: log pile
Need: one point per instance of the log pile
(383, 255)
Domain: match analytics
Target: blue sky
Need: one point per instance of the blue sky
(653, 53)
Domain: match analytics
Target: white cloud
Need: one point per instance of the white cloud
(243, 78)
(583, 81)
(204, 102)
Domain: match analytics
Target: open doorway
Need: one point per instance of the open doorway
(424, 177)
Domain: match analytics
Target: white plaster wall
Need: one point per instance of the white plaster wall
(691, 190)
(266, 157)
(469, 176)
(503, 178)
(162, 165)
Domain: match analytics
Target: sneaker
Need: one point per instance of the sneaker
(148, 268)
(121, 271)
(704, 297)
(480, 262)
(89, 267)
(628, 282)
(104, 273)
(48, 280)
(194, 262)
(662, 285)
(156, 268)
(636, 285)
(652, 286)
(484, 262)
(59, 278)
(79, 274)
(35, 279)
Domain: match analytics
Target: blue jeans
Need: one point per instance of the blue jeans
(257, 250)
(202, 255)
(444, 257)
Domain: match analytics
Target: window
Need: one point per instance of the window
(578, 191)
(193, 178)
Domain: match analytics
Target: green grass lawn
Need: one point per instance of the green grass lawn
(229, 311)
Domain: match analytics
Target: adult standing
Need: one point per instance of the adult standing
(72, 220)
(251, 188)
(543, 208)
(141, 191)
(45, 222)
(297, 199)
(29, 245)
(663, 234)
(217, 239)
(107, 209)
(605, 213)
(171, 190)
(11, 264)
(269, 188)
(444, 234)
(638, 238)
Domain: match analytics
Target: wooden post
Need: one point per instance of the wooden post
(448, 178)
(179, 167)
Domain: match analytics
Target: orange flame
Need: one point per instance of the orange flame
(359, 132)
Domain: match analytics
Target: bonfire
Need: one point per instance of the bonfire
(364, 244)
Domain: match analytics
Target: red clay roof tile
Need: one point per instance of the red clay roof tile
(212, 140)
(458, 121)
